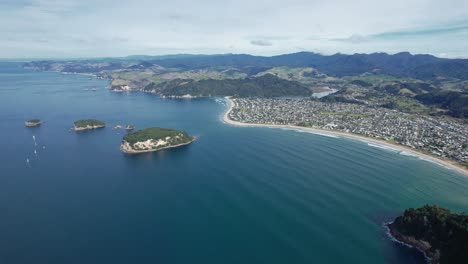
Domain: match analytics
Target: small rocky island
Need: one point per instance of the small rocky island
(87, 124)
(129, 127)
(154, 139)
(441, 235)
(33, 122)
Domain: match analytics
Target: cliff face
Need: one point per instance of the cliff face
(88, 127)
(440, 234)
(86, 124)
(149, 145)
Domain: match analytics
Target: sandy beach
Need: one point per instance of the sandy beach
(442, 162)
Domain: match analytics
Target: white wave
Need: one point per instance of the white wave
(220, 101)
(410, 154)
(311, 132)
(435, 162)
(383, 147)
(420, 157)
(320, 134)
(392, 238)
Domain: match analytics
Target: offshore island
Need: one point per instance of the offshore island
(88, 124)
(154, 139)
(440, 234)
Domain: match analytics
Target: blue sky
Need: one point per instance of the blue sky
(96, 28)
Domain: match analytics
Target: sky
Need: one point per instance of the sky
(112, 28)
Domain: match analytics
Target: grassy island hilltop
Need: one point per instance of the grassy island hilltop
(86, 124)
(439, 233)
(33, 122)
(153, 139)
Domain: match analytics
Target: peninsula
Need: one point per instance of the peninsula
(154, 139)
(87, 124)
(440, 234)
(33, 122)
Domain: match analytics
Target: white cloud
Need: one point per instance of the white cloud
(261, 42)
(43, 28)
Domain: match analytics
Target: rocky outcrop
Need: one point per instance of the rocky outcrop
(32, 123)
(154, 139)
(88, 127)
(441, 235)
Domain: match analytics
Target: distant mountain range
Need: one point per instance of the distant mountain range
(406, 82)
(404, 64)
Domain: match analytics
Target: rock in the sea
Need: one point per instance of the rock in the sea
(33, 122)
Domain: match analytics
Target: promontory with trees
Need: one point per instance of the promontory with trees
(439, 233)
(154, 139)
(87, 124)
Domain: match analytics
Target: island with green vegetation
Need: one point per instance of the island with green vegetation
(33, 122)
(440, 234)
(87, 124)
(154, 139)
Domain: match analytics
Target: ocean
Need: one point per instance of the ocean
(236, 195)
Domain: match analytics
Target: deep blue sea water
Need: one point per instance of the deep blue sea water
(236, 195)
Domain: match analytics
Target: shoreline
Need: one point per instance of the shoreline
(409, 242)
(154, 150)
(441, 162)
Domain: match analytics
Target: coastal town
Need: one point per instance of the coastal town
(438, 136)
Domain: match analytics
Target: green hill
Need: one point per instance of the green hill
(267, 85)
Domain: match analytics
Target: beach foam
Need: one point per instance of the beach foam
(308, 131)
(383, 147)
(371, 142)
(221, 101)
(410, 154)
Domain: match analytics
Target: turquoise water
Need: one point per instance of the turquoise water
(236, 195)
